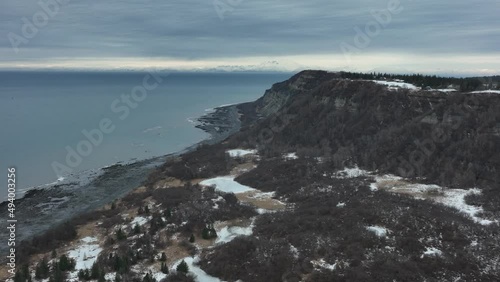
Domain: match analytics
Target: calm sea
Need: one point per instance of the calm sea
(43, 116)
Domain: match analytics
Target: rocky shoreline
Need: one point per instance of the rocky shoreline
(220, 123)
(46, 206)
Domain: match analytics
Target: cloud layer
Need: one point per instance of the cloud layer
(206, 33)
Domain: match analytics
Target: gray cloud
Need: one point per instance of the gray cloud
(192, 29)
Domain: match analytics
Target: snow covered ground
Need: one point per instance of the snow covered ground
(323, 264)
(455, 198)
(351, 173)
(228, 233)
(487, 91)
(431, 251)
(290, 156)
(226, 184)
(395, 85)
(200, 275)
(84, 255)
(445, 90)
(378, 230)
(241, 152)
(382, 181)
(140, 220)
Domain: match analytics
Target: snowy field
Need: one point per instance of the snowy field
(395, 85)
(228, 233)
(240, 152)
(226, 184)
(445, 90)
(454, 198)
(487, 91)
(378, 230)
(290, 156)
(84, 255)
(200, 275)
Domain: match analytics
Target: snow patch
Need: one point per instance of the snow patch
(445, 90)
(378, 230)
(263, 195)
(200, 275)
(340, 205)
(323, 264)
(226, 184)
(294, 251)
(228, 233)
(140, 220)
(240, 152)
(455, 198)
(431, 251)
(290, 156)
(110, 276)
(85, 254)
(383, 180)
(351, 173)
(487, 91)
(392, 85)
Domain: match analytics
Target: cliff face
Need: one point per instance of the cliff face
(303, 82)
(280, 93)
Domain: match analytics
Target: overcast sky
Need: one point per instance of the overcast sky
(448, 36)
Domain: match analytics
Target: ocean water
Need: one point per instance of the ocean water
(43, 116)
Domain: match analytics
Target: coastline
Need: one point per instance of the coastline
(47, 205)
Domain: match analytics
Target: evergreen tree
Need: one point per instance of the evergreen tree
(81, 275)
(137, 229)
(87, 274)
(183, 267)
(120, 235)
(208, 232)
(118, 278)
(120, 264)
(191, 238)
(148, 278)
(164, 268)
(53, 254)
(66, 264)
(101, 277)
(156, 223)
(167, 213)
(95, 271)
(19, 277)
(23, 274)
(163, 256)
(42, 269)
(57, 273)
